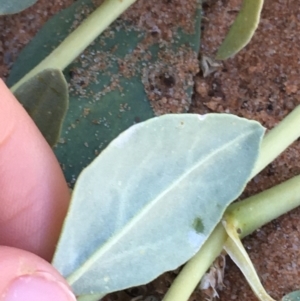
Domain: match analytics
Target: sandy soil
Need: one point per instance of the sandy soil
(261, 83)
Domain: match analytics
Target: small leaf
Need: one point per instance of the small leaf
(242, 29)
(45, 98)
(235, 249)
(108, 82)
(14, 6)
(294, 296)
(151, 199)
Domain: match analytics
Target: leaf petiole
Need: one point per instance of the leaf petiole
(235, 249)
(80, 38)
(249, 214)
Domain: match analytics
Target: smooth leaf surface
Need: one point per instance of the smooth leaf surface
(294, 296)
(150, 200)
(107, 82)
(14, 6)
(45, 98)
(242, 30)
(94, 297)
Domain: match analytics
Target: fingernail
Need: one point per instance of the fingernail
(36, 288)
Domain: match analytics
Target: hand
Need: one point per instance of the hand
(34, 199)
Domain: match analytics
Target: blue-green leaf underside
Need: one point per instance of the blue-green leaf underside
(152, 198)
(294, 296)
(8, 7)
(105, 99)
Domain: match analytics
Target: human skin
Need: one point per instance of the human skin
(34, 199)
(27, 277)
(34, 195)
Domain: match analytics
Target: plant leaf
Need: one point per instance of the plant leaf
(14, 6)
(90, 297)
(45, 98)
(242, 30)
(152, 197)
(294, 296)
(235, 249)
(104, 100)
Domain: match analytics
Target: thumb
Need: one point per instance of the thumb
(34, 195)
(27, 277)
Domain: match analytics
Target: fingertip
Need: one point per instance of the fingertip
(25, 276)
(34, 195)
(36, 288)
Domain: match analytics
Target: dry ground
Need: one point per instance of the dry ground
(261, 83)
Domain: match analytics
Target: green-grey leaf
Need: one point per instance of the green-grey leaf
(45, 98)
(93, 297)
(242, 30)
(14, 6)
(103, 100)
(136, 210)
(294, 296)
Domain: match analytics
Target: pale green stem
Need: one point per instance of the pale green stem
(259, 209)
(192, 272)
(247, 215)
(80, 38)
(278, 139)
(274, 143)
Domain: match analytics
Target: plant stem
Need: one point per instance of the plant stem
(80, 38)
(278, 139)
(247, 215)
(259, 209)
(275, 142)
(192, 272)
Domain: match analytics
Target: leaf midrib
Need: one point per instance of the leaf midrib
(73, 277)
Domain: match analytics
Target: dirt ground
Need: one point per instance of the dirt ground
(261, 83)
